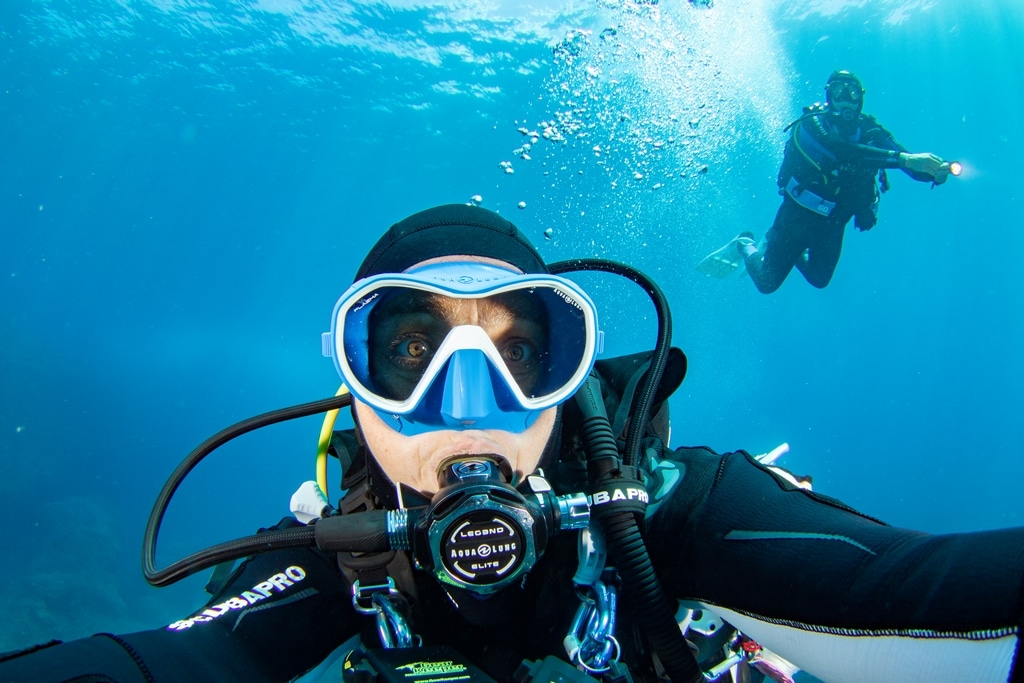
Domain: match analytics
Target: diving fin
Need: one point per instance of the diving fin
(726, 260)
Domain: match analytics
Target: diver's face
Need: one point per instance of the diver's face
(846, 99)
(408, 330)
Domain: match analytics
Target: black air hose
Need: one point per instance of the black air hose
(625, 542)
(274, 539)
(659, 358)
(232, 549)
(626, 545)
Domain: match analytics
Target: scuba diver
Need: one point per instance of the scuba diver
(833, 169)
(510, 510)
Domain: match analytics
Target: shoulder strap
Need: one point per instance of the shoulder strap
(620, 377)
(810, 111)
(372, 570)
(344, 446)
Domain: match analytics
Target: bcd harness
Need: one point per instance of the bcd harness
(820, 167)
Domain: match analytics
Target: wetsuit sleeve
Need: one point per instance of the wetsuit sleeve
(843, 596)
(882, 149)
(279, 616)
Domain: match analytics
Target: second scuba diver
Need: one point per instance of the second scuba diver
(511, 510)
(834, 169)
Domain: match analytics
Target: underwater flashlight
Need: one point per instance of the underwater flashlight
(955, 168)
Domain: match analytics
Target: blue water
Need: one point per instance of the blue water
(187, 186)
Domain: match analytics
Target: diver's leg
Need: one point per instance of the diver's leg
(823, 255)
(783, 244)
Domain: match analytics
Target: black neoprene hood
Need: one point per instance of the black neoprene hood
(448, 230)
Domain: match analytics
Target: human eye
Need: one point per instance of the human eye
(398, 361)
(524, 360)
(411, 350)
(519, 352)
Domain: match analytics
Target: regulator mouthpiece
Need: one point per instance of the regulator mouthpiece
(485, 468)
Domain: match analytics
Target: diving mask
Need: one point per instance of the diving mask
(846, 98)
(463, 345)
(845, 91)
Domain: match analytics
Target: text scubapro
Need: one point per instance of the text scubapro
(278, 583)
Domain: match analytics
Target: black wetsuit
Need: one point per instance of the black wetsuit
(838, 593)
(828, 176)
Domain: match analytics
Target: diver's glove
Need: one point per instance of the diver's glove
(865, 220)
(927, 164)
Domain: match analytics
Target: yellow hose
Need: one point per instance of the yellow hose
(325, 443)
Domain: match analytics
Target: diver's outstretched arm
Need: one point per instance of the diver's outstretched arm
(280, 614)
(843, 596)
